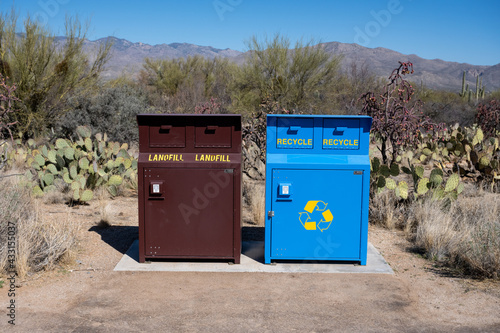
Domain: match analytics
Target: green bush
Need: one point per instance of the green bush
(46, 70)
(113, 111)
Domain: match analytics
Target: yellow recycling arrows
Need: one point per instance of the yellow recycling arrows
(319, 206)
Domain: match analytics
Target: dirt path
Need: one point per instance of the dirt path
(419, 297)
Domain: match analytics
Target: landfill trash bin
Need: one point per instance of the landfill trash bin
(189, 187)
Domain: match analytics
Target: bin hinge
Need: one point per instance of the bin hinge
(270, 213)
(228, 170)
(358, 172)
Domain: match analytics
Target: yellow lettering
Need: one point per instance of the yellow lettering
(181, 158)
(325, 142)
(279, 141)
(335, 142)
(227, 158)
(155, 158)
(310, 142)
(355, 142)
(150, 158)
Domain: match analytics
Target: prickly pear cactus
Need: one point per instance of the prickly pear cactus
(83, 165)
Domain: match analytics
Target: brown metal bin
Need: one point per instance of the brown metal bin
(189, 187)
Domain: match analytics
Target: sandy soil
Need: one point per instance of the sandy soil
(87, 296)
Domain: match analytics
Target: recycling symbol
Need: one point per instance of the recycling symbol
(318, 206)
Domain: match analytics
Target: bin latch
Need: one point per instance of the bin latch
(270, 213)
(156, 190)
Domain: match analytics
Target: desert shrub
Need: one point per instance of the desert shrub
(47, 70)
(113, 111)
(180, 85)
(446, 107)
(39, 240)
(488, 117)
(299, 78)
(353, 82)
(397, 119)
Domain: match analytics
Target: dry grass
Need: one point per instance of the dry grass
(464, 233)
(102, 197)
(254, 195)
(40, 240)
(385, 210)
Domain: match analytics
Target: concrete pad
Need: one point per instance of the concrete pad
(252, 260)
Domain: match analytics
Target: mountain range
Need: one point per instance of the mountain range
(127, 59)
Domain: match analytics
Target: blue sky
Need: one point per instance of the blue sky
(461, 31)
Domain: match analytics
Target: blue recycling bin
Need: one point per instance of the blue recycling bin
(317, 188)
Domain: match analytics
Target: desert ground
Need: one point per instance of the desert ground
(86, 295)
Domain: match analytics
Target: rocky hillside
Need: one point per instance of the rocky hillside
(127, 58)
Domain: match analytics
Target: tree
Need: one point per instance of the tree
(7, 108)
(179, 85)
(296, 78)
(46, 69)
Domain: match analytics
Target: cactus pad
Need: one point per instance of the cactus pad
(113, 190)
(48, 179)
(419, 171)
(390, 183)
(484, 161)
(426, 151)
(402, 190)
(84, 131)
(115, 180)
(52, 168)
(422, 186)
(452, 182)
(83, 163)
(61, 143)
(88, 144)
(52, 156)
(39, 160)
(394, 170)
(37, 191)
(375, 164)
(86, 195)
(69, 153)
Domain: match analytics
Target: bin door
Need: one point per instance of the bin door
(189, 212)
(317, 214)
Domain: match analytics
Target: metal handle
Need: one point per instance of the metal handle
(165, 127)
(340, 129)
(212, 128)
